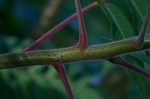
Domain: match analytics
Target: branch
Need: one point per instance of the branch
(72, 54)
(82, 32)
(58, 65)
(48, 14)
(124, 63)
(57, 27)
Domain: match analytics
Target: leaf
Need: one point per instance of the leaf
(143, 57)
(118, 20)
(139, 7)
(84, 91)
(106, 39)
(138, 79)
(147, 53)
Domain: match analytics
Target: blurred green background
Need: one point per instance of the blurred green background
(23, 21)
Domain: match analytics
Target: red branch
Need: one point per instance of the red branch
(56, 28)
(82, 38)
(124, 63)
(58, 65)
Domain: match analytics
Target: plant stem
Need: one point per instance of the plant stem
(124, 63)
(58, 65)
(72, 54)
(82, 32)
(57, 27)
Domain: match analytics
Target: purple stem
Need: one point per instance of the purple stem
(58, 65)
(82, 38)
(122, 62)
(56, 28)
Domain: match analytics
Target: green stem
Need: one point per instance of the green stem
(71, 54)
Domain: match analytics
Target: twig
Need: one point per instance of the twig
(57, 27)
(124, 63)
(82, 32)
(58, 65)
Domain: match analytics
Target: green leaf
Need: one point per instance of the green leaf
(118, 21)
(138, 79)
(83, 91)
(139, 7)
(143, 57)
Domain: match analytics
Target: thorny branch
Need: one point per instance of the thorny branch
(138, 43)
(81, 51)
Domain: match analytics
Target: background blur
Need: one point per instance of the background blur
(23, 21)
